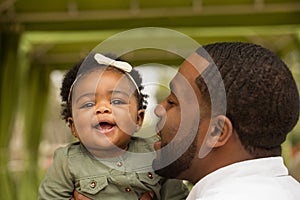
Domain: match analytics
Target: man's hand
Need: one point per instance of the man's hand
(78, 196)
(146, 196)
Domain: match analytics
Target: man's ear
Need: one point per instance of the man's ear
(220, 131)
(140, 117)
(72, 126)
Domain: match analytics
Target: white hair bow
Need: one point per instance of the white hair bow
(122, 65)
(103, 60)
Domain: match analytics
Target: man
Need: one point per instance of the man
(231, 147)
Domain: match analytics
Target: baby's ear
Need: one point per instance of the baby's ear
(140, 117)
(72, 126)
(220, 131)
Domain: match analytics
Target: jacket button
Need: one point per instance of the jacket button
(150, 175)
(119, 164)
(128, 189)
(93, 184)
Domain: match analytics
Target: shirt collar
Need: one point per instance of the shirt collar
(268, 167)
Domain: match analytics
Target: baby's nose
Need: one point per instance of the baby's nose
(102, 110)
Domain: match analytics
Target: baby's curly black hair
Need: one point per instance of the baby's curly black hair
(261, 94)
(89, 64)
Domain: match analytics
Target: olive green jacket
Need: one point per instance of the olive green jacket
(124, 177)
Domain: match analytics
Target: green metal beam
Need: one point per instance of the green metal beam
(66, 47)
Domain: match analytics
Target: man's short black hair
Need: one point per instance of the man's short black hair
(261, 93)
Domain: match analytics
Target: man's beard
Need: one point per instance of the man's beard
(175, 168)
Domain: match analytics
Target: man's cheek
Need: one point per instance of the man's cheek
(171, 134)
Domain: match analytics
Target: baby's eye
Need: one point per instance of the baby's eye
(117, 102)
(87, 105)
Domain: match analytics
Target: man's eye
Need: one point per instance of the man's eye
(170, 102)
(117, 102)
(88, 105)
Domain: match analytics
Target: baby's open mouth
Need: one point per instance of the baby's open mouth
(105, 126)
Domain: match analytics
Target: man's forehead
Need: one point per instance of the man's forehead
(192, 67)
(184, 81)
(197, 62)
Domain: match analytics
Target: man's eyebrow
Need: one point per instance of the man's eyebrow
(172, 86)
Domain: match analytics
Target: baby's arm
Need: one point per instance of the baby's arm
(57, 183)
(173, 189)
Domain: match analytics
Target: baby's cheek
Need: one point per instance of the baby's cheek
(126, 122)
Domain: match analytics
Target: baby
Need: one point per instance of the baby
(104, 106)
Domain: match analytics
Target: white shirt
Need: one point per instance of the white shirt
(258, 179)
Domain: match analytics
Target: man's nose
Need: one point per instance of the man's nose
(160, 111)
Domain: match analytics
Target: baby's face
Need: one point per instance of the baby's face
(105, 111)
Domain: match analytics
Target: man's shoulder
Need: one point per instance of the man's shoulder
(249, 187)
